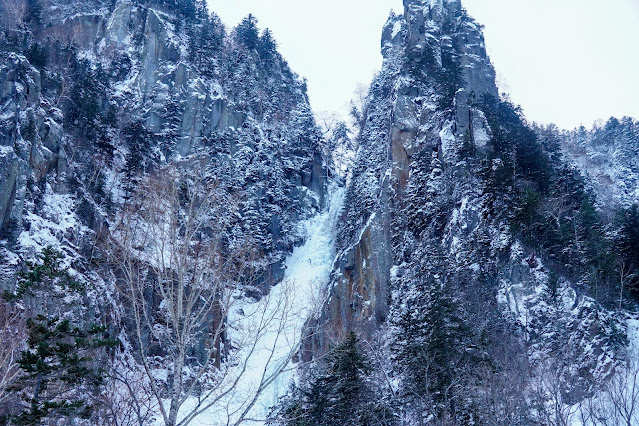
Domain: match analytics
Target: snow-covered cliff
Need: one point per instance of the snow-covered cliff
(449, 256)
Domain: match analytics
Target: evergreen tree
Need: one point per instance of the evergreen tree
(138, 157)
(186, 8)
(171, 113)
(303, 132)
(430, 343)
(338, 148)
(341, 136)
(628, 240)
(59, 370)
(627, 244)
(201, 10)
(60, 373)
(89, 112)
(85, 96)
(205, 43)
(267, 46)
(216, 32)
(450, 76)
(336, 395)
(593, 250)
(37, 55)
(290, 410)
(247, 33)
(47, 272)
(515, 143)
(340, 395)
(34, 12)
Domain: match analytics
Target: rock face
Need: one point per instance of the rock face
(403, 120)
(98, 98)
(470, 252)
(72, 97)
(21, 158)
(433, 201)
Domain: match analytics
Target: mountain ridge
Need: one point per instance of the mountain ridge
(487, 271)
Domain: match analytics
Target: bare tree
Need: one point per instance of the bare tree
(202, 346)
(499, 387)
(327, 121)
(13, 13)
(624, 275)
(549, 392)
(127, 399)
(617, 403)
(338, 147)
(556, 208)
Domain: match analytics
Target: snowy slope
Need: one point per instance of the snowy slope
(617, 402)
(286, 309)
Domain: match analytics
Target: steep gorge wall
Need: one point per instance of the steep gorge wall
(402, 120)
(129, 63)
(423, 208)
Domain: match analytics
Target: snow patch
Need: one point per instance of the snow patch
(397, 28)
(53, 226)
(448, 141)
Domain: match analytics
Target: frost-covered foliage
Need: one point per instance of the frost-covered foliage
(59, 369)
(607, 156)
(484, 263)
(607, 217)
(470, 246)
(340, 390)
(150, 87)
(96, 97)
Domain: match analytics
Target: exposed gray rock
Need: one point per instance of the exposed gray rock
(30, 137)
(416, 209)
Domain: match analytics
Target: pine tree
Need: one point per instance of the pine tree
(89, 112)
(34, 12)
(206, 38)
(290, 410)
(37, 55)
(216, 32)
(593, 249)
(337, 394)
(450, 76)
(171, 113)
(46, 272)
(139, 141)
(627, 244)
(267, 46)
(338, 148)
(340, 395)
(430, 342)
(59, 367)
(303, 132)
(247, 33)
(59, 370)
(186, 8)
(201, 10)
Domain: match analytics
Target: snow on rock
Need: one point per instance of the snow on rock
(449, 143)
(55, 224)
(397, 28)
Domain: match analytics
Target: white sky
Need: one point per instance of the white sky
(570, 62)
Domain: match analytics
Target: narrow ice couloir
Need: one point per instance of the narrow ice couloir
(269, 364)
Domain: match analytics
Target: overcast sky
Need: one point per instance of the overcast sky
(570, 62)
